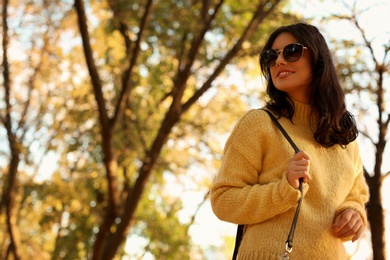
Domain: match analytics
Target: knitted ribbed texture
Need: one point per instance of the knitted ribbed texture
(252, 189)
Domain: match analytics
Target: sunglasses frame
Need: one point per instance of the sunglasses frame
(269, 64)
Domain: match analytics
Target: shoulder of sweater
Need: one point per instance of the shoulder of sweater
(253, 122)
(253, 118)
(352, 146)
(250, 129)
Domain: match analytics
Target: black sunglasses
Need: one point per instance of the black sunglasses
(291, 53)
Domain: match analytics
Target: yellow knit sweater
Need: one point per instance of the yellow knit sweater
(252, 189)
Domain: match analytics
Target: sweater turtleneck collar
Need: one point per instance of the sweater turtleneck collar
(302, 112)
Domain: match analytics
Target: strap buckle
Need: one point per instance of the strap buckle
(285, 255)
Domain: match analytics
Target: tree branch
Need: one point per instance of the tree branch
(95, 78)
(184, 71)
(387, 121)
(354, 19)
(260, 14)
(122, 27)
(206, 195)
(106, 131)
(365, 134)
(127, 82)
(31, 84)
(205, 9)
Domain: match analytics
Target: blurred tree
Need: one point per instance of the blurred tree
(150, 66)
(28, 61)
(9, 177)
(364, 76)
(160, 59)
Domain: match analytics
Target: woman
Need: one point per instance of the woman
(258, 181)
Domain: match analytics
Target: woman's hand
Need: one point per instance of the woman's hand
(297, 168)
(348, 224)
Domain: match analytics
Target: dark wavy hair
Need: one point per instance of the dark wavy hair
(335, 125)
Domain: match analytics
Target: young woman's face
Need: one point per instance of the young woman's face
(294, 78)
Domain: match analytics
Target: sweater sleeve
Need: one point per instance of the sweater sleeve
(358, 195)
(236, 195)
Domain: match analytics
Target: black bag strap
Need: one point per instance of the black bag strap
(239, 233)
(296, 149)
(289, 242)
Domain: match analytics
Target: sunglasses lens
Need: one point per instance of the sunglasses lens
(293, 52)
(269, 57)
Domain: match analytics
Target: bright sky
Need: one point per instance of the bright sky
(208, 230)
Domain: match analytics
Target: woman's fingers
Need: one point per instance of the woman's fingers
(348, 223)
(298, 167)
(301, 155)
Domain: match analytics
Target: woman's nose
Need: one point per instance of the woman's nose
(280, 58)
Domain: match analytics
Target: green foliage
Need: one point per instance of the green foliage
(158, 222)
(64, 216)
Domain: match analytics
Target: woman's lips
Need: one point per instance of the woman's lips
(284, 73)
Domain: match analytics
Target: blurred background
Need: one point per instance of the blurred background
(114, 115)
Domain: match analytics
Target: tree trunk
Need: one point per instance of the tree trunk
(376, 218)
(9, 191)
(12, 226)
